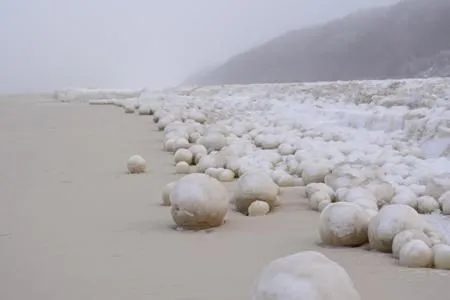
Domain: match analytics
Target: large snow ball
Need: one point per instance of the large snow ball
(315, 172)
(344, 224)
(136, 164)
(198, 202)
(165, 195)
(213, 141)
(391, 220)
(427, 205)
(438, 185)
(404, 237)
(255, 186)
(305, 275)
(183, 155)
(258, 208)
(416, 254)
(441, 256)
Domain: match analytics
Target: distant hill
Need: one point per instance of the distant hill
(408, 39)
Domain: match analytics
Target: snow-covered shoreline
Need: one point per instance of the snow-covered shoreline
(87, 224)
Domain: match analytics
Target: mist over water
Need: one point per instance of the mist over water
(52, 44)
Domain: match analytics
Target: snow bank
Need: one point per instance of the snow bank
(84, 95)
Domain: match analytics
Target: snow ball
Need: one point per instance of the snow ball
(213, 141)
(144, 110)
(136, 164)
(183, 155)
(391, 220)
(232, 164)
(197, 116)
(362, 197)
(383, 192)
(283, 179)
(319, 186)
(194, 137)
(267, 141)
(255, 186)
(169, 145)
(406, 197)
(315, 172)
(305, 275)
(198, 149)
(129, 110)
(198, 202)
(226, 175)
(182, 167)
(404, 237)
(371, 213)
(340, 178)
(427, 205)
(434, 236)
(198, 157)
(181, 143)
(416, 254)
(441, 257)
(302, 155)
(258, 208)
(344, 224)
(438, 185)
(286, 149)
(165, 195)
(319, 200)
(292, 167)
(213, 172)
(206, 162)
(418, 189)
(340, 194)
(163, 122)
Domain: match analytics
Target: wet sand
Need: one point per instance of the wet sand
(74, 225)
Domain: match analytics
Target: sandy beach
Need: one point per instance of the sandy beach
(74, 225)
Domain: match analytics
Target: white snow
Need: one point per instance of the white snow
(399, 130)
(84, 95)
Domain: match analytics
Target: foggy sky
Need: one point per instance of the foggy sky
(47, 44)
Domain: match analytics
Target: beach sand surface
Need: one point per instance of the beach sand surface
(74, 225)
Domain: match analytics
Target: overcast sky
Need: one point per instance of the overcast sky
(46, 44)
